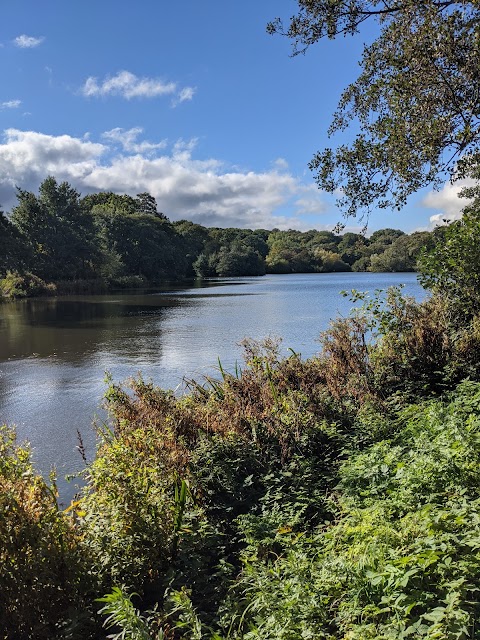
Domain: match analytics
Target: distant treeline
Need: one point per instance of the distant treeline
(60, 237)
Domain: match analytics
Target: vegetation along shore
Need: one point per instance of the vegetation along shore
(332, 497)
(58, 242)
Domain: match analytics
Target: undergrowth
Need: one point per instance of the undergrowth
(335, 497)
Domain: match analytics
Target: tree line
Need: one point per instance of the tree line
(120, 240)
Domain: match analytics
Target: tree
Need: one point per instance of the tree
(139, 244)
(231, 252)
(113, 202)
(452, 268)
(239, 260)
(330, 261)
(289, 253)
(202, 267)
(146, 203)
(351, 247)
(13, 251)
(402, 254)
(58, 231)
(194, 237)
(416, 99)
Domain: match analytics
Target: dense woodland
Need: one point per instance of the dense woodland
(58, 241)
(333, 498)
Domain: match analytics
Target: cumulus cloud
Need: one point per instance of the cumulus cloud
(447, 202)
(204, 191)
(10, 104)
(28, 42)
(127, 85)
(27, 157)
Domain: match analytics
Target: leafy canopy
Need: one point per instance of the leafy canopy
(416, 99)
(57, 230)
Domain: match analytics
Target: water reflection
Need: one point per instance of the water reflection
(71, 328)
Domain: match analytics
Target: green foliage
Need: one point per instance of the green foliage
(326, 498)
(16, 285)
(288, 253)
(138, 244)
(110, 240)
(297, 252)
(393, 345)
(194, 237)
(452, 268)
(401, 559)
(425, 351)
(414, 98)
(43, 573)
(13, 253)
(121, 613)
(186, 617)
(402, 254)
(203, 267)
(232, 252)
(118, 204)
(58, 231)
(240, 260)
(128, 512)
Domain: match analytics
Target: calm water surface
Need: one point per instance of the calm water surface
(54, 352)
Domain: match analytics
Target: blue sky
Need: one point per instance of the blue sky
(193, 102)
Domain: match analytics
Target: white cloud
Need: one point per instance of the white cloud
(28, 42)
(128, 86)
(204, 191)
(281, 164)
(10, 104)
(310, 206)
(27, 157)
(446, 202)
(127, 139)
(311, 202)
(184, 95)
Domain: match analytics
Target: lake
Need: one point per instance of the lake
(54, 351)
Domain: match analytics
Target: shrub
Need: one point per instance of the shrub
(129, 505)
(42, 563)
(425, 350)
(395, 347)
(401, 559)
(16, 285)
(451, 268)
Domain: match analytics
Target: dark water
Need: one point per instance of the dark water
(54, 352)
